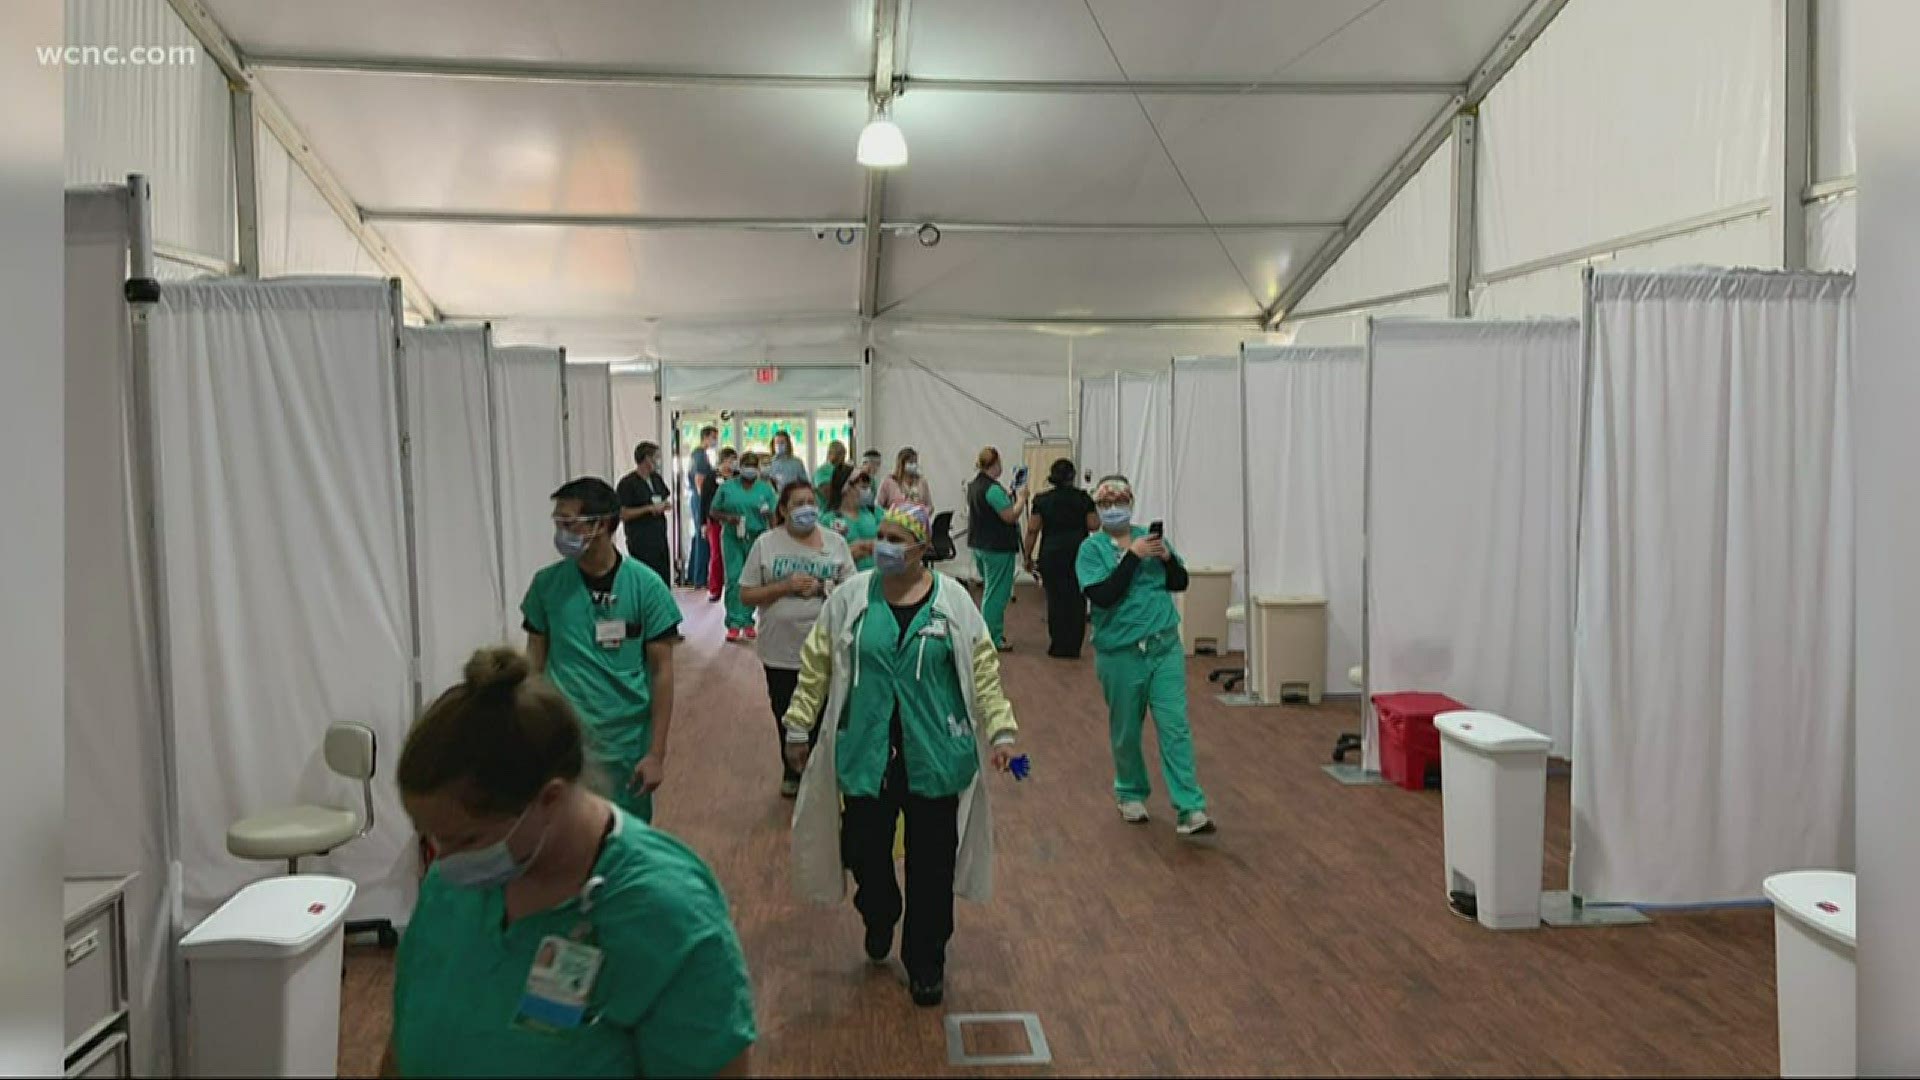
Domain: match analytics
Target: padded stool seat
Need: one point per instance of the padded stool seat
(1357, 675)
(290, 832)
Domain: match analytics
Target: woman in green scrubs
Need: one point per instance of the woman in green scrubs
(910, 681)
(849, 495)
(744, 508)
(555, 934)
(1129, 573)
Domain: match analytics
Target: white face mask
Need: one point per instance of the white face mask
(913, 468)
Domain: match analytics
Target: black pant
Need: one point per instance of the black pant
(655, 555)
(1066, 604)
(780, 684)
(933, 843)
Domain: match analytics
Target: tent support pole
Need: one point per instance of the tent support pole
(566, 422)
(245, 186)
(1464, 222)
(1793, 123)
(499, 501)
(403, 425)
(1367, 747)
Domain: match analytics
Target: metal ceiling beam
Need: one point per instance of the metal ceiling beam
(214, 40)
(1512, 45)
(817, 224)
(886, 38)
(545, 72)
(1793, 123)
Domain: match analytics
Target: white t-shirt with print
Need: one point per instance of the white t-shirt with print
(785, 624)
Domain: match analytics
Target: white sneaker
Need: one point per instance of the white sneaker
(1133, 811)
(1194, 823)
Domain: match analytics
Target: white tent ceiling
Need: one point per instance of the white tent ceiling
(583, 164)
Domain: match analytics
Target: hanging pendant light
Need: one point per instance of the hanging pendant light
(882, 146)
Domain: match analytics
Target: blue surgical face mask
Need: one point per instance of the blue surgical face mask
(1116, 517)
(489, 867)
(804, 518)
(750, 473)
(890, 557)
(569, 544)
(866, 496)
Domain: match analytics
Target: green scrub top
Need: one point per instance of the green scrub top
(821, 478)
(672, 997)
(1147, 609)
(735, 497)
(610, 688)
(998, 498)
(862, 525)
(914, 673)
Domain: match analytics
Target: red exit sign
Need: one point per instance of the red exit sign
(766, 376)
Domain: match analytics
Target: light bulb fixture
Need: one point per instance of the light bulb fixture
(929, 234)
(881, 144)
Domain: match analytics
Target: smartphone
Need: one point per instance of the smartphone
(1157, 529)
(1020, 477)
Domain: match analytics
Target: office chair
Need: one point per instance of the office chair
(940, 544)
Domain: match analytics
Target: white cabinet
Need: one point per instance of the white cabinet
(96, 982)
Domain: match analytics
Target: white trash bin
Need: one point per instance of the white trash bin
(263, 980)
(1813, 956)
(1493, 787)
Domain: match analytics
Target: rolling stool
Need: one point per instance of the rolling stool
(1350, 741)
(293, 833)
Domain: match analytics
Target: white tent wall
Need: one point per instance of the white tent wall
(299, 231)
(949, 423)
(1350, 327)
(1472, 491)
(636, 419)
(1403, 249)
(530, 441)
(1305, 417)
(1146, 442)
(456, 522)
(1099, 421)
(1713, 679)
(168, 121)
(283, 554)
(1830, 233)
(590, 422)
(1555, 291)
(1207, 513)
(117, 801)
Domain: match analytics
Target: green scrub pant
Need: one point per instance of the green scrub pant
(619, 786)
(1134, 682)
(734, 551)
(996, 569)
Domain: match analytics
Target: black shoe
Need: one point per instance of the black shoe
(927, 994)
(879, 944)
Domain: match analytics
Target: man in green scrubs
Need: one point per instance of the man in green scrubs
(602, 628)
(1128, 573)
(993, 532)
(851, 514)
(744, 508)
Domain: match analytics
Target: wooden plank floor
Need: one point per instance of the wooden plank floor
(1311, 937)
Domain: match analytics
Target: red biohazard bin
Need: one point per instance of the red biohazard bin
(1409, 744)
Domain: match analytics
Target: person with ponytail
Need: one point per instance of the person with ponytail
(555, 933)
(902, 680)
(787, 576)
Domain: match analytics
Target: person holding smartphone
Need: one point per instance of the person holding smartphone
(993, 532)
(1128, 574)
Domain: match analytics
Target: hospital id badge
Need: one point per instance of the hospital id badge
(609, 633)
(558, 986)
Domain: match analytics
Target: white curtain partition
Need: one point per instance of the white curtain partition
(1472, 494)
(1207, 515)
(1305, 416)
(949, 425)
(456, 518)
(1146, 442)
(276, 444)
(530, 442)
(117, 799)
(590, 424)
(1713, 662)
(636, 419)
(1099, 443)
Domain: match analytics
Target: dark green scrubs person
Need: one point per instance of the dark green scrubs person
(1129, 574)
(849, 495)
(836, 457)
(993, 532)
(744, 507)
(555, 934)
(601, 628)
